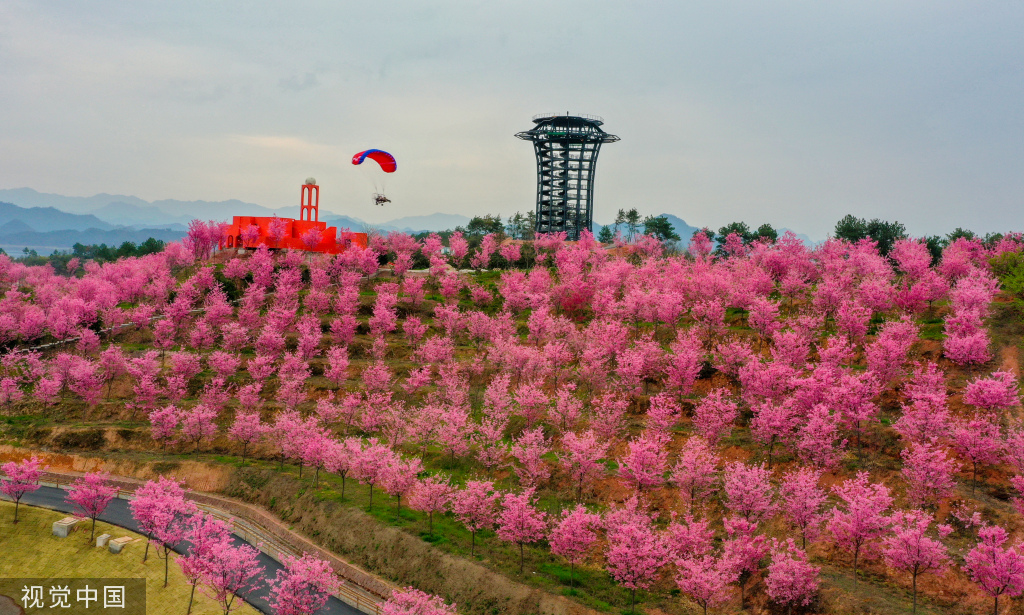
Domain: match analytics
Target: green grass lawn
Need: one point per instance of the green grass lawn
(28, 549)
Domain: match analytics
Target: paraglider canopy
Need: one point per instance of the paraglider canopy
(385, 160)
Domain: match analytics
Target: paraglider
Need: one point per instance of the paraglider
(387, 165)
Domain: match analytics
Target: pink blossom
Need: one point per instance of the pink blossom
(645, 461)
(431, 495)
(19, 479)
(997, 569)
(303, 586)
(909, 547)
(520, 522)
(581, 460)
(791, 580)
(573, 535)
(415, 602)
(860, 519)
(90, 495)
(714, 415)
(476, 507)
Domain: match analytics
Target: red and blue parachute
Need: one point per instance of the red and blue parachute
(377, 177)
(385, 160)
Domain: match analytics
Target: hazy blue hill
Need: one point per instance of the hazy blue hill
(15, 226)
(353, 224)
(27, 197)
(112, 210)
(63, 240)
(49, 219)
(417, 224)
(128, 214)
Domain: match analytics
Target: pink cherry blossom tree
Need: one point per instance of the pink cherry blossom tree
(247, 429)
(476, 507)
(19, 479)
(635, 553)
(573, 535)
(303, 586)
(581, 460)
(198, 425)
(997, 392)
(909, 547)
(645, 461)
(232, 571)
(204, 535)
(979, 442)
(801, 501)
(791, 580)
(157, 504)
(90, 496)
(860, 518)
(749, 491)
(696, 471)
(928, 471)
(714, 415)
(412, 601)
(997, 569)
(528, 450)
(520, 522)
(431, 495)
(705, 579)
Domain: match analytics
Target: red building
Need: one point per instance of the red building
(301, 234)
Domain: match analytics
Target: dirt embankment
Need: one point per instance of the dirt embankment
(394, 554)
(196, 475)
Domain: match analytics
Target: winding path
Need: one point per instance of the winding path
(118, 513)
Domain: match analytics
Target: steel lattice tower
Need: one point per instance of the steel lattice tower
(566, 147)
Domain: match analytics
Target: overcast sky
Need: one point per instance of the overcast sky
(793, 113)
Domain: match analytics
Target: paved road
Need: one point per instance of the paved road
(118, 513)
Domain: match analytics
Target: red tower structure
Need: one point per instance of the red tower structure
(307, 233)
(307, 210)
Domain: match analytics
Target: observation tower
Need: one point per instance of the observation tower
(566, 147)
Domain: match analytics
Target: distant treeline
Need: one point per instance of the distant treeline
(100, 253)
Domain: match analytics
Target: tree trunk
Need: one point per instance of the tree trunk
(145, 554)
(430, 518)
(92, 532)
(16, 504)
(342, 487)
(856, 552)
(472, 542)
(974, 481)
(371, 495)
(167, 563)
(245, 447)
(521, 559)
(316, 478)
(915, 593)
(572, 569)
(190, 597)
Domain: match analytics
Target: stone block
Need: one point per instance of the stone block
(102, 540)
(117, 544)
(64, 527)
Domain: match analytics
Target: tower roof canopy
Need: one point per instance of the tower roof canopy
(579, 127)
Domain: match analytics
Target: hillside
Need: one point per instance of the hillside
(703, 411)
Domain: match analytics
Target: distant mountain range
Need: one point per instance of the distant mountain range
(53, 221)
